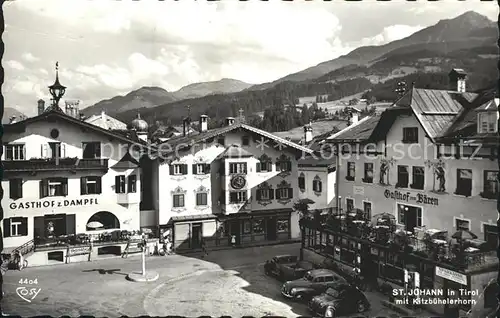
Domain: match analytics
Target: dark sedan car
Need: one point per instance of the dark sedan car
(343, 299)
(314, 283)
(287, 267)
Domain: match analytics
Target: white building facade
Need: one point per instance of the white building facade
(230, 185)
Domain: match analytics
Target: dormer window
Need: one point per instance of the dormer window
(487, 122)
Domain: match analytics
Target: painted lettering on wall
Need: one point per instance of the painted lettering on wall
(409, 197)
(52, 204)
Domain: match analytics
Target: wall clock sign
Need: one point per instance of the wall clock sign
(238, 182)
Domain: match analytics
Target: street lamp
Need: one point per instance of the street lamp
(57, 90)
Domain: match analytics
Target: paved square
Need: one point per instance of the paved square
(228, 282)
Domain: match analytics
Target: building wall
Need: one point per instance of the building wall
(325, 198)
(448, 207)
(35, 138)
(216, 183)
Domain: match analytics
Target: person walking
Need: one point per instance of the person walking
(204, 249)
(233, 240)
(125, 251)
(91, 249)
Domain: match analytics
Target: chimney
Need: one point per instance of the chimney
(104, 120)
(229, 121)
(308, 133)
(72, 108)
(353, 117)
(458, 79)
(41, 106)
(203, 123)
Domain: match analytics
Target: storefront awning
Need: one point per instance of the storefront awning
(198, 217)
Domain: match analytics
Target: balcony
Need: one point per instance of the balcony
(128, 198)
(54, 164)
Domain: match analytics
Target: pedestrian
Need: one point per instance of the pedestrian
(91, 249)
(204, 249)
(125, 251)
(233, 240)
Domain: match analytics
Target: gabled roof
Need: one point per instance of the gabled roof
(106, 122)
(358, 132)
(187, 141)
(441, 114)
(235, 151)
(55, 114)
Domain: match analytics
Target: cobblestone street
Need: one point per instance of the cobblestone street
(224, 283)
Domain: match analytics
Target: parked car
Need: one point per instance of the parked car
(287, 267)
(343, 299)
(314, 282)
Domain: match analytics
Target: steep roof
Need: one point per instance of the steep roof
(441, 113)
(54, 114)
(106, 122)
(188, 141)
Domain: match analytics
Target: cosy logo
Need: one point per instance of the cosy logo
(28, 294)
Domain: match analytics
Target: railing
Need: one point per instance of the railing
(52, 164)
(27, 248)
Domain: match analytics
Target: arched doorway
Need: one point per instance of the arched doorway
(107, 219)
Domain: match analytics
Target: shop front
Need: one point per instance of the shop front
(190, 232)
(257, 226)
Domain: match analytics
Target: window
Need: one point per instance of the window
(201, 199)
(258, 226)
(201, 168)
(368, 172)
(53, 187)
(16, 188)
(367, 210)
(284, 165)
(491, 183)
(178, 169)
(403, 177)
(91, 150)
(55, 150)
(15, 152)
(237, 196)
(412, 211)
(410, 135)
(245, 140)
(17, 226)
(178, 200)
(120, 184)
(237, 168)
(351, 171)
(221, 141)
(418, 178)
(461, 224)
(90, 185)
(487, 122)
(317, 184)
(464, 182)
(349, 204)
(302, 182)
(284, 193)
(265, 164)
(265, 194)
(132, 183)
(247, 227)
(282, 225)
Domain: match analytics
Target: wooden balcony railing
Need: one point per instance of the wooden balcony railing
(54, 164)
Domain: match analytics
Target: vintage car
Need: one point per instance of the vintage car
(314, 282)
(287, 267)
(343, 299)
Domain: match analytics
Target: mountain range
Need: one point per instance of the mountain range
(467, 41)
(146, 97)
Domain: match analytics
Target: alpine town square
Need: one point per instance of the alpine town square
(321, 194)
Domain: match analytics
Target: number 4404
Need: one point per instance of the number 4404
(26, 281)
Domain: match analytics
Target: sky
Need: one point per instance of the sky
(109, 48)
